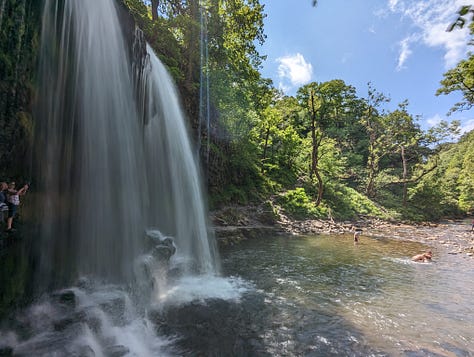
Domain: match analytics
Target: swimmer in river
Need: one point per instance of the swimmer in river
(423, 257)
(357, 233)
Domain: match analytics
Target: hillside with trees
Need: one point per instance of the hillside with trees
(325, 152)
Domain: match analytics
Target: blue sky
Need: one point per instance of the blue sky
(400, 46)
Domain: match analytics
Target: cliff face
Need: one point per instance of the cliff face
(19, 42)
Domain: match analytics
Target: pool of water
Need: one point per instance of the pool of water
(325, 296)
(278, 296)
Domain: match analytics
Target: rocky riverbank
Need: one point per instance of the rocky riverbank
(236, 223)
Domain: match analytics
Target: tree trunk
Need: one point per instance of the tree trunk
(404, 177)
(372, 168)
(320, 187)
(314, 152)
(265, 147)
(154, 9)
(316, 141)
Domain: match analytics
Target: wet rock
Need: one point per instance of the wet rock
(84, 283)
(84, 351)
(74, 318)
(6, 351)
(161, 247)
(215, 327)
(66, 297)
(164, 249)
(116, 351)
(94, 323)
(115, 308)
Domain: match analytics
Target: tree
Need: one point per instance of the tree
(461, 20)
(448, 190)
(325, 103)
(372, 120)
(404, 137)
(279, 139)
(461, 77)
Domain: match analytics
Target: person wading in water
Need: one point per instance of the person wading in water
(357, 234)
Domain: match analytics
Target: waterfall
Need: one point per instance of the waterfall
(204, 98)
(113, 156)
(122, 230)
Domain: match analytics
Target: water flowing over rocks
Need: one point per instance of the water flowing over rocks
(215, 327)
(237, 223)
(88, 322)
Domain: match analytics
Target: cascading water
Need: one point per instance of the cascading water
(122, 222)
(114, 163)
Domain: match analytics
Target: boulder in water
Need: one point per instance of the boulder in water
(164, 249)
(66, 297)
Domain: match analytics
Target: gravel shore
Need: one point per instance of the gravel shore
(235, 223)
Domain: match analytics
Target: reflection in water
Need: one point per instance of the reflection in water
(329, 296)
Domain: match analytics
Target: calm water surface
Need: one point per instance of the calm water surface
(325, 296)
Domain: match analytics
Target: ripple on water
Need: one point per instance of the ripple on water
(370, 296)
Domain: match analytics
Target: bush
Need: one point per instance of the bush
(346, 203)
(297, 204)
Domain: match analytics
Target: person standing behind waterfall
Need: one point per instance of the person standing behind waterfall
(3, 202)
(13, 202)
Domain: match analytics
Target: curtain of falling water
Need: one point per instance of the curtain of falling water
(170, 160)
(109, 165)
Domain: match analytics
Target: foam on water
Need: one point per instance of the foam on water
(200, 288)
(93, 320)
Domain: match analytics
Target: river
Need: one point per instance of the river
(280, 295)
(325, 296)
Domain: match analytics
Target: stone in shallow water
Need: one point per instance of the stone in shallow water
(66, 297)
(116, 351)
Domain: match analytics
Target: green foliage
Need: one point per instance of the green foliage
(19, 39)
(335, 147)
(460, 79)
(462, 18)
(297, 204)
(161, 35)
(347, 203)
(430, 202)
(448, 190)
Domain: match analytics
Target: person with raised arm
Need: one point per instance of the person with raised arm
(13, 202)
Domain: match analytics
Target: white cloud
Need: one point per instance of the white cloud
(467, 126)
(405, 52)
(433, 121)
(392, 4)
(431, 18)
(293, 71)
